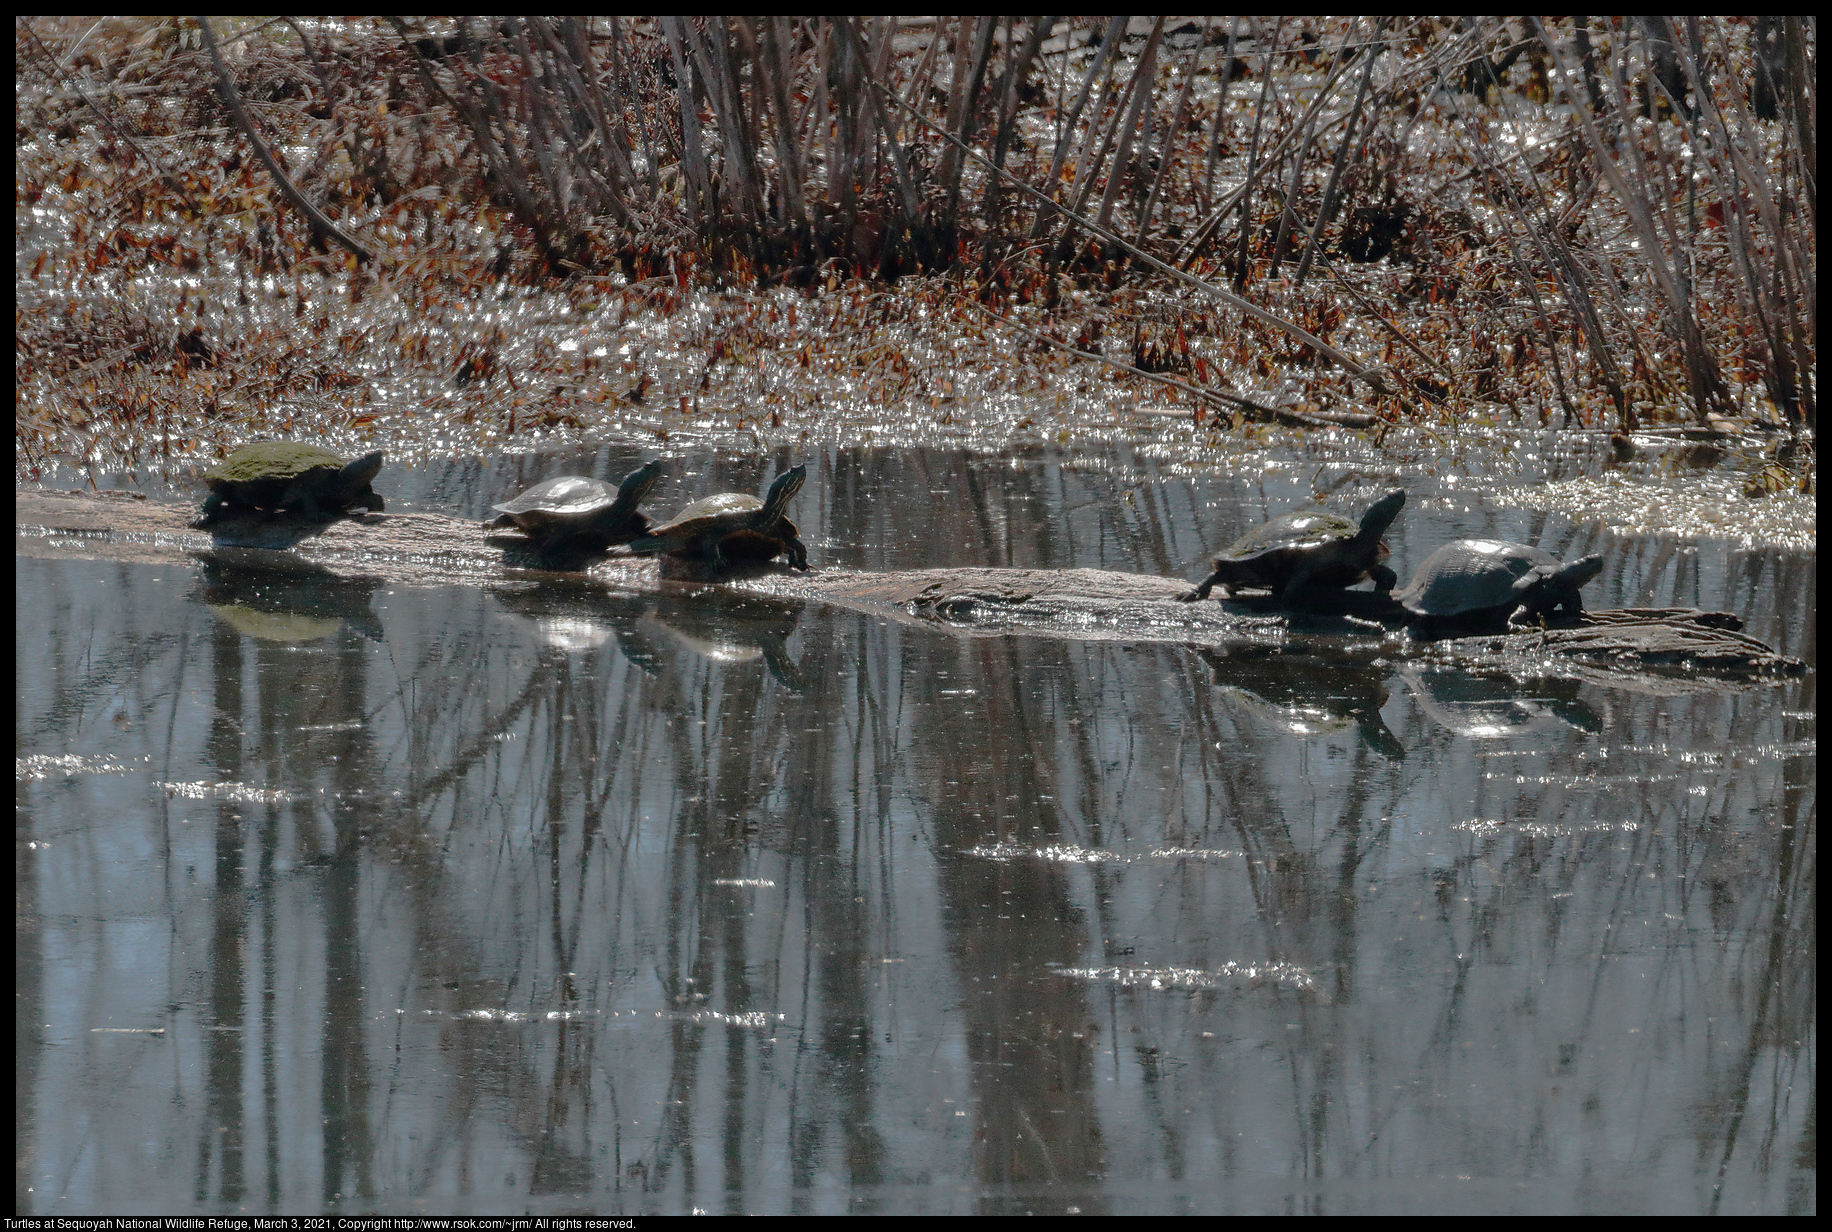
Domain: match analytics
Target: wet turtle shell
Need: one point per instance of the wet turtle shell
(733, 525)
(287, 477)
(575, 513)
(1309, 548)
(1477, 582)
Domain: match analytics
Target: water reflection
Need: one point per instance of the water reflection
(558, 900)
(652, 631)
(1483, 707)
(277, 597)
(1310, 692)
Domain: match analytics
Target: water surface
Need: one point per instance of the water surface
(541, 899)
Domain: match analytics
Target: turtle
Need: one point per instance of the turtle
(733, 524)
(574, 513)
(1307, 548)
(288, 477)
(1488, 582)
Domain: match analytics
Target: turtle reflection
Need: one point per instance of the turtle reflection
(284, 598)
(738, 630)
(1308, 691)
(650, 631)
(1487, 707)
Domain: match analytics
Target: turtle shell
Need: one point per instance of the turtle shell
(726, 511)
(272, 460)
(1305, 530)
(562, 497)
(1308, 548)
(1474, 581)
(290, 477)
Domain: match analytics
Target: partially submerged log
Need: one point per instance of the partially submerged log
(1674, 645)
(1661, 641)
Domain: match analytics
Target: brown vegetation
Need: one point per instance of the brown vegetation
(438, 232)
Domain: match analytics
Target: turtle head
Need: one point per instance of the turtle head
(1381, 513)
(356, 477)
(363, 470)
(1554, 586)
(635, 486)
(1579, 571)
(1554, 577)
(786, 486)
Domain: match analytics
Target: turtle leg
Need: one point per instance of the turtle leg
(1524, 616)
(213, 505)
(1384, 579)
(1542, 610)
(1294, 591)
(554, 543)
(297, 496)
(798, 555)
(1202, 591)
(580, 540)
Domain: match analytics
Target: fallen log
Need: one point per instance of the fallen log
(1681, 647)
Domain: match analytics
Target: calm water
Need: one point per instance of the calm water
(545, 900)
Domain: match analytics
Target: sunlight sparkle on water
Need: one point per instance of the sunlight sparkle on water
(1710, 509)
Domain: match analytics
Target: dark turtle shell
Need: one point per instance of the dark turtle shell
(578, 513)
(1309, 548)
(288, 477)
(733, 525)
(1477, 582)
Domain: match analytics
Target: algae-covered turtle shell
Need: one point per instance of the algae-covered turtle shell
(575, 513)
(733, 525)
(1479, 582)
(1309, 548)
(288, 477)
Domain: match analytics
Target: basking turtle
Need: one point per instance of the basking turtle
(575, 514)
(1306, 549)
(733, 525)
(287, 477)
(1488, 582)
